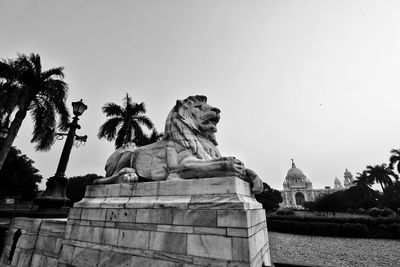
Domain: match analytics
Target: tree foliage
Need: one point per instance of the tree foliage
(364, 182)
(18, 177)
(381, 174)
(77, 185)
(24, 87)
(126, 124)
(269, 198)
(395, 161)
(391, 198)
(354, 198)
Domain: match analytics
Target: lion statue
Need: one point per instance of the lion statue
(188, 150)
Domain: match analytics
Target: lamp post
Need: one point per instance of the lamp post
(54, 196)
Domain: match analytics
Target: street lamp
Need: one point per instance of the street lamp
(54, 195)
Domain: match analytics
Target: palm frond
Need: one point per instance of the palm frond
(144, 120)
(46, 140)
(43, 114)
(139, 109)
(55, 91)
(57, 72)
(109, 128)
(112, 109)
(139, 136)
(119, 141)
(395, 160)
(127, 100)
(8, 69)
(35, 63)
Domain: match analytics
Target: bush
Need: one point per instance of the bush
(394, 230)
(320, 229)
(355, 230)
(375, 212)
(77, 185)
(269, 198)
(285, 212)
(337, 227)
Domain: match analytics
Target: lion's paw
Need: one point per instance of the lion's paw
(258, 187)
(130, 178)
(127, 175)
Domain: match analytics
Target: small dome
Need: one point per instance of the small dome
(346, 172)
(295, 173)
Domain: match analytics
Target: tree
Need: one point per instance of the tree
(381, 174)
(391, 198)
(26, 87)
(269, 198)
(145, 139)
(356, 198)
(125, 124)
(364, 182)
(330, 203)
(77, 185)
(395, 160)
(18, 176)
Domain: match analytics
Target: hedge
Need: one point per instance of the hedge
(336, 227)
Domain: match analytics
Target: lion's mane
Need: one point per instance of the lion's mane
(182, 128)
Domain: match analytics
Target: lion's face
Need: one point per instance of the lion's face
(205, 116)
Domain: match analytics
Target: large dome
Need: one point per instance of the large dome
(295, 174)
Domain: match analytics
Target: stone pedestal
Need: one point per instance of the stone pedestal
(33, 242)
(202, 222)
(54, 197)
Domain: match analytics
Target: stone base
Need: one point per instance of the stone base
(202, 222)
(54, 196)
(38, 244)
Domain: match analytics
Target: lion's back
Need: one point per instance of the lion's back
(151, 161)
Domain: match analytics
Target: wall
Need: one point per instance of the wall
(39, 243)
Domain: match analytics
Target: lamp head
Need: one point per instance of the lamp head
(78, 107)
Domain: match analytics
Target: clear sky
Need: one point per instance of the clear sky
(317, 81)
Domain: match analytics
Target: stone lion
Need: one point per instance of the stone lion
(188, 150)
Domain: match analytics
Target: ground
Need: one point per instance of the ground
(333, 251)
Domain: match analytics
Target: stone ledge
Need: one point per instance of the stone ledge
(194, 202)
(218, 185)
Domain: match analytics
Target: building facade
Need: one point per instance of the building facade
(297, 188)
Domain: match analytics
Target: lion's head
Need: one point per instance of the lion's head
(192, 123)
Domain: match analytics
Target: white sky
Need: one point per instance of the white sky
(317, 81)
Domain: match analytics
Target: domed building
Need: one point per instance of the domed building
(297, 188)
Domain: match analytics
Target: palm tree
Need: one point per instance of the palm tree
(24, 87)
(148, 139)
(395, 160)
(381, 174)
(364, 181)
(125, 124)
